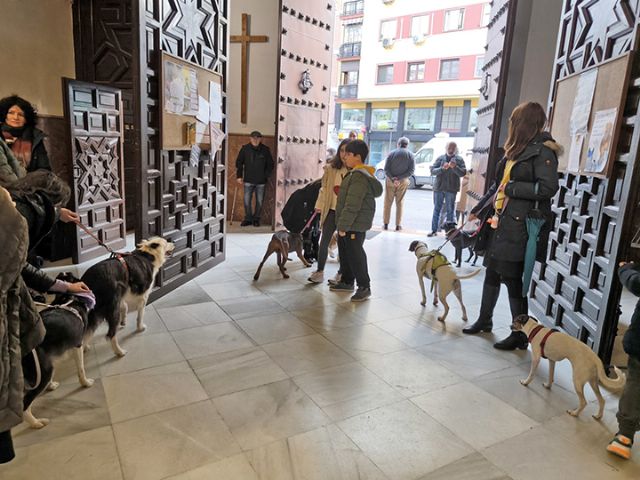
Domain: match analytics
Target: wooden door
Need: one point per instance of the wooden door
(577, 287)
(94, 113)
(183, 203)
(305, 54)
(492, 95)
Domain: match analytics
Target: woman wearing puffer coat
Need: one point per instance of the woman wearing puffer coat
(525, 183)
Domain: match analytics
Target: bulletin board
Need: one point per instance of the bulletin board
(173, 125)
(610, 92)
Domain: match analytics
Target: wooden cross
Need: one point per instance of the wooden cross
(245, 39)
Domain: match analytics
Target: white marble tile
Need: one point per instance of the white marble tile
(239, 308)
(89, 455)
(472, 467)
(377, 310)
(403, 441)
(274, 328)
(410, 372)
(144, 351)
(230, 290)
(152, 390)
(261, 415)
(71, 409)
(410, 331)
(306, 354)
(196, 315)
(328, 317)
(475, 416)
(347, 390)
(219, 274)
(232, 468)
(540, 453)
(187, 294)
(230, 372)
(322, 454)
(211, 339)
(173, 441)
(305, 298)
(364, 339)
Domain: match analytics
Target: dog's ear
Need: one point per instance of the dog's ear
(412, 247)
(153, 245)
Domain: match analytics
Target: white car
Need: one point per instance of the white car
(427, 155)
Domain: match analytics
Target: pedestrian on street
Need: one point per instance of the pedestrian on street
(448, 170)
(253, 167)
(398, 168)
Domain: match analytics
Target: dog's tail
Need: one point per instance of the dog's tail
(610, 383)
(470, 275)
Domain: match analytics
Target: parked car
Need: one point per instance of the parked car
(428, 154)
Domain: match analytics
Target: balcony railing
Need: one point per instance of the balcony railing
(353, 8)
(348, 91)
(349, 50)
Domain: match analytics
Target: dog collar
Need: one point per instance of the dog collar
(535, 331)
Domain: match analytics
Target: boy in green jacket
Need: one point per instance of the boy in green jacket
(355, 209)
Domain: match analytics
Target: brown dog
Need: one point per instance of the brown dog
(282, 243)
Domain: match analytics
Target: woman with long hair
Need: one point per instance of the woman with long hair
(526, 180)
(334, 172)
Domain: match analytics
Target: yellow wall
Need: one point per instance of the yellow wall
(36, 51)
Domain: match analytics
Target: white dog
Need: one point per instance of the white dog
(444, 278)
(556, 346)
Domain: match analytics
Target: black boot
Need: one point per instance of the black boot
(513, 341)
(484, 323)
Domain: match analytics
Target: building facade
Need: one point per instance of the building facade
(410, 69)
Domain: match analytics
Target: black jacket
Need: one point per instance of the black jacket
(36, 279)
(39, 156)
(400, 164)
(40, 214)
(254, 165)
(630, 277)
(448, 180)
(533, 183)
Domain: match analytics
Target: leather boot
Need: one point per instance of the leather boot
(513, 341)
(484, 323)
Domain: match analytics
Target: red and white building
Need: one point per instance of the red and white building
(409, 68)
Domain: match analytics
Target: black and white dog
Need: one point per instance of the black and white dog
(124, 283)
(66, 323)
(460, 240)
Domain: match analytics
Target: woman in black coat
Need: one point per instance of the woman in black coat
(526, 180)
(18, 121)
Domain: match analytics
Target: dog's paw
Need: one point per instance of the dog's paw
(423, 303)
(255, 278)
(87, 382)
(465, 319)
(39, 423)
(285, 276)
(121, 353)
(524, 382)
(141, 328)
(441, 319)
(573, 413)
(52, 386)
(86, 348)
(547, 385)
(597, 417)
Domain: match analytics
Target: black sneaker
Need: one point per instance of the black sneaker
(361, 295)
(385, 226)
(398, 228)
(341, 287)
(256, 223)
(432, 234)
(246, 223)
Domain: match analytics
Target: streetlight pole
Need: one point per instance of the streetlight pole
(393, 125)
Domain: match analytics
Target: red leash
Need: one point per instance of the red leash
(309, 222)
(116, 255)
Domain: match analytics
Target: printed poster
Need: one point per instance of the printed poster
(180, 89)
(601, 140)
(577, 142)
(583, 101)
(203, 110)
(215, 102)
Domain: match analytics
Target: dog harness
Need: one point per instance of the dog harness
(535, 331)
(439, 260)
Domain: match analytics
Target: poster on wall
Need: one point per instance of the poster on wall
(601, 140)
(215, 102)
(575, 153)
(583, 101)
(180, 89)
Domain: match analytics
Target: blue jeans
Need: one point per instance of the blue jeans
(249, 214)
(449, 198)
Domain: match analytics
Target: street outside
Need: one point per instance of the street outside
(418, 209)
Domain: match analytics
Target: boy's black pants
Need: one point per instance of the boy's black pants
(353, 259)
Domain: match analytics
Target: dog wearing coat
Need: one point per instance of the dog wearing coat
(435, 266)
(460, 240)
(282, 243)
(555, 346)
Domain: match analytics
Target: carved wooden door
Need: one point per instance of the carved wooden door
(492, 93)
(183, 203)
(304, 95)
(94, 113)
(577, 288)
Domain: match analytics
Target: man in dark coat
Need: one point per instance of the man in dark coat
(629, 406)
(448, 170)
(398, 168)
(253, 167)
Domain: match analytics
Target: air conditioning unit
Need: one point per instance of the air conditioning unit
(419, 39)
(388, 42)
(388, 2)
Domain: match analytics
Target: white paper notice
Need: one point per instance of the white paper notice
(601, 140)
(215, 102)
(217, 137)
(575, 153)
(583, 101)
(203, 110)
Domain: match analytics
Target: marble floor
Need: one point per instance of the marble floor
(283, 380)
